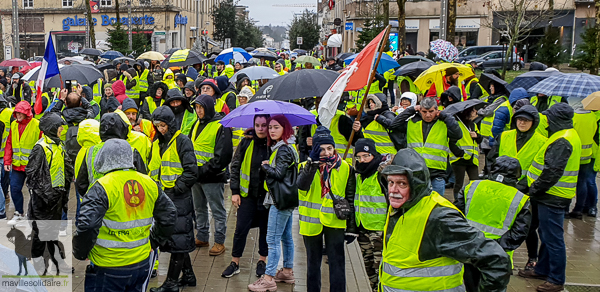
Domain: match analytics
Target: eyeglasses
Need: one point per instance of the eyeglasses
(360, 158)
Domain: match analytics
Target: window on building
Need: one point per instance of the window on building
(105, 3)
(27, 3)
(145, 2)
(67, 3)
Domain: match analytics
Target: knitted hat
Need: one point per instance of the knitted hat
(451, 71)
(181, 78)
(365, 145)
(108, 85)
(323, 136)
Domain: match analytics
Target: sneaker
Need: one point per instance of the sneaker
(261, 267)
(549, 287)
(530, 264)
(16, 219)
(217, 249)
(232, 270)
(576, 215)
(531, 274)
(286, 277)
(263, 285)
(62, 233)
(201, 243)
(592, 212)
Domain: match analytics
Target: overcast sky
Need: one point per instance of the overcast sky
(264, 12)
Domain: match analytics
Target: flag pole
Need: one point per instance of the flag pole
(382, 45)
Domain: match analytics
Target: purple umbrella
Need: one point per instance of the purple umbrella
(243, 116)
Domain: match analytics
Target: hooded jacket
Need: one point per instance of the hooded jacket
(560, 117)
(191, 86)
(260, 153)
(451, 93)
(447, 233)
(170, 82)
(175, 94)
(118, 88)
(522, 137)
(227, 87)
(89, 96)
(139, 68)
(145, 110)
(24, 108)
(239, 79)
(95, 204)
(73, 116)
(182, 239)
(47, 202)
(212, 170)
(502, 116)
(16, 92)
(385, 118)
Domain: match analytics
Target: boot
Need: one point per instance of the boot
(168, 286)
(188, 278)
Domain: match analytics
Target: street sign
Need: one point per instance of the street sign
(337, 22)
(160, 33)
(227, 43)
(7, 52)
(299, 40)
(349, 25)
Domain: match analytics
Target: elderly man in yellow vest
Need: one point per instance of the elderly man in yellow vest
(427, 240)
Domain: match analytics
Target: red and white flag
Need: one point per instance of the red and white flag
(48, 69)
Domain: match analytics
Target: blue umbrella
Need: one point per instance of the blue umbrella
(529, 79)
(385, 64)
(111, 55)
(236, 54)
(243, 116)
(568, 85)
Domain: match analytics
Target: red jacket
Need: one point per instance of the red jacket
(119, 89)
(432, 92)
(24, 108)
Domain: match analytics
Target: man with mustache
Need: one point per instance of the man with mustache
(426, 239)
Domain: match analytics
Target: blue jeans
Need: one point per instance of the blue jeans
(128, 278)
(553, 256)
(438, 184)
(587, 191)
(279, 233)
(205, 195)
(17, 180)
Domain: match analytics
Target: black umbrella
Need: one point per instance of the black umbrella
(91, 52)
(191, 59)
(296, 85)
(84, 74)
(249, 49)
(459, 107)
(105, 66)
(529, 79)
(342, 56)
(409, 59)
(269, 56)
(122, 60)
(487, 78)
(211, 60)
(171, 51)
(413, 70)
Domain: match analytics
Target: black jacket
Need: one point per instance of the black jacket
(460, 152)
(447, 232)
(47, 202)
(73, 116)
(385, 118)
(16, 92)
(306, 174)
(401, 121)
(257, 176)
(108, 104)
(281, 178)
(145, 110)
(560, 117)
(182, 239)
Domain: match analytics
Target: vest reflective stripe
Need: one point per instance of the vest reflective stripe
(316, 211)
(565, 187)
(376, 132)
(204, 143)
(402, 270)
(5, 118)
(435, 149)
(55, 157)
(142, 82)
(237, 134)
(586, 126)
(23, 144)
(97, 91)
(245, 170)
(152, 104)
(224, 98)
(467, 144)
(370, 204)
(123, 238)
(508, 147)
(168, 166)
(132, 93)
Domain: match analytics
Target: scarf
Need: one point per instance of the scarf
(366, 170)
(325, 168)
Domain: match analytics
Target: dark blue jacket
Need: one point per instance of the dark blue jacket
(502, 115)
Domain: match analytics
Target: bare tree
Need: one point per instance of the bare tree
(402, 25)
(451, 24)
(385, 5)
(596, 62)
(516, 19)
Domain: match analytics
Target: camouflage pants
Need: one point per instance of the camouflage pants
(371, 246)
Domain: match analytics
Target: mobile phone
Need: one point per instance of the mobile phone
(68, 85)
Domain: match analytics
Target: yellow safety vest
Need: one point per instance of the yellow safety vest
(586, 126)
(141, 143)
(565, 187)
(204, 143)
(370, 205)
(224, 99)
(245, 170)
(189, 118)
(5, 116)
(55, 157)
(23, 144)
(376, 132)
(97, 91)
(166, 168)
(90, 157)
(123, 238)
(552, 100)
(147, 129)
(133, 92)
(542, 127)
(316, 212)
(435, 149)
(237, 134)
(488, 122)
(401, 269)
(525, 155)
(413, 88)
(467, 144)
(87, 136)
(152, 105)
(39, 116)
(510, 111)
(142, 82)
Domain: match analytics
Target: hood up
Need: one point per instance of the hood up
(89, 133)
(74, 115)
(129, 103)
(175, 94)
(152, 90)
(560, 117)
(24, 108)
(207, 102)
(116, 154)
(518, 93)
(113, 126)
(191, 86)
(506, 170)
(409, 162)
(166, 115)
(49, 124)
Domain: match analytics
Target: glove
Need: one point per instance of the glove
(127, 75)
(315, 153)
(350, 237)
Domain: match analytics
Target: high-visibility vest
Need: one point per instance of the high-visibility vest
(189, 118)
(542, 127)
(376, 132)
(47, 98)
(273, 162)
(147, 128)
(467, 144)
(87, 136)
(525, 155)
(586, 126)
(123, 238)
(488, 122)
(224, 99)
(142, 82)
(55, 156)
(370, 205)
(435, 149)
(484, 93)
(565, 187)
(316, 212)
(219, 105)
(245, 170)
(492, 207)
(93, 103)
(237, 134)
(90, 157)
(23, 144)
(204, 143)
(133, 92)
(141, 143)
(5, 118)
(338, 138)
(413, 88)
(166, 168)
(401, 269)
(97, 90)
(552, 100)
(152, 104)
(33, 90)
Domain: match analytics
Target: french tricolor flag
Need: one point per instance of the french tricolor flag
(48, 69)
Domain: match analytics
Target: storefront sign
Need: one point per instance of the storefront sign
(461, 23)
(349, 25)
(412, 24)
(180, 20)
(106, 20)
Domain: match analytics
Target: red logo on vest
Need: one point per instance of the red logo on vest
(134, 193)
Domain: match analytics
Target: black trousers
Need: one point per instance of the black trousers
(459, 175)
(532, 238)
(334, 247)
(179, 262)
(471, 278)
(250, 214)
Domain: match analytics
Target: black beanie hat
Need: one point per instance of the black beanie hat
(323, 136)
(181, 78)
(366, 145)
(451, 71)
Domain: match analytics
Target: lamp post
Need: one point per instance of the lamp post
(17, 46)
(129, 24)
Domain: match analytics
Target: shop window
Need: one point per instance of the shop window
(105, 3)
(67, 3)
(27, 3)
(465, 39)
(145, 2)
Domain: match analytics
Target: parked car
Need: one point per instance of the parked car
(474, 52)
(493, 60)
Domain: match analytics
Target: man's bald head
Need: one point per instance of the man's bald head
(73, 100)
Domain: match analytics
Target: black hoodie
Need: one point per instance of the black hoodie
(447, 232)
(385, 118)
(179, 111)
(145, 110)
